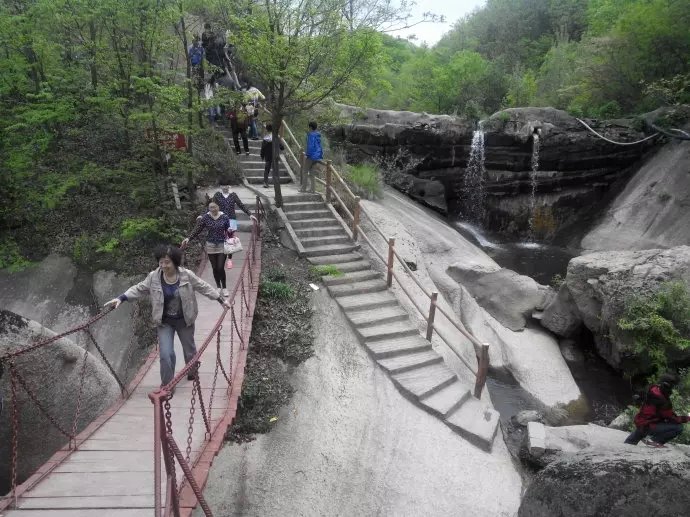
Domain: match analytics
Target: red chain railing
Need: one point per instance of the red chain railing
(234, 324)
(22, 358)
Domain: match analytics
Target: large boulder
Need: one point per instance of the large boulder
(618, 481)
(509, 297)
(597, 287)
(54, 375)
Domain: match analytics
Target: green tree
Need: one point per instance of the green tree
(304, 52)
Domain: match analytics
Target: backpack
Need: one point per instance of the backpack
(242, 117)
(196, 55)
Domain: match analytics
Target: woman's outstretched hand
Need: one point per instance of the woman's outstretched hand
(253, 218)
(226, 304)
(184, 243)
(115, 303)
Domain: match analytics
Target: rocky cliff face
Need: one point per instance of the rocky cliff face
(576, 169)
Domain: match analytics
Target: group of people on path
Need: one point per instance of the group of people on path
(172, 287)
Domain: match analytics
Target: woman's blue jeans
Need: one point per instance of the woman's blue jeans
(166, 345)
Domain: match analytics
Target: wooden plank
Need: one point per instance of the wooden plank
(101, 512)
(95, 484)
(83, 502)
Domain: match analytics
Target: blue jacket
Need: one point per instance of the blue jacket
(314, 151)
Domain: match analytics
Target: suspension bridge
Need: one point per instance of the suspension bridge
(152, 449)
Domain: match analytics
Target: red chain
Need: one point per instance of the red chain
(31, 395)
(79, 398)
(15, 431)
(190, 428)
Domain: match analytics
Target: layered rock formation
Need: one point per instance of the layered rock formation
(576, 169)
(597, 287)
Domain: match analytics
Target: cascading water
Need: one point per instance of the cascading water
(533, 181)
(473, 188)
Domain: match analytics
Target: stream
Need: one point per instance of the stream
(605, 392)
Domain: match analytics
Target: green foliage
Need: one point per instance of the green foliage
(557, 281)
(365, 178)
(276, 290)
(11, 258)
(599, 58)
(146, 228)
(275, 274)
(317, 272)
(659, 324)
(109, 246)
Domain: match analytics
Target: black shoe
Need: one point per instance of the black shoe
(265, 185)
(238, 153)
(247, 153)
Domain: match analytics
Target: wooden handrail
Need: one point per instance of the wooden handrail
(349, 214)
(480, 349)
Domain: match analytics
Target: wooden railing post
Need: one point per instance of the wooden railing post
(302, 157)
(329, 166)
(355, 219)
(432, 315)
(482, 370)
(391, 257)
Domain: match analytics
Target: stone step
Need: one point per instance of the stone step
(424, 381)
(308, 214)
(383, 348)
(396, 329)
(367, 301)
(318, 231)
(406, 362)
(351, 267)
(364, 287)
(348, 278)
(377, 317)
(296, 198)
(310, 223)
(475, 422)
(260, 179)
(310, 242)
(445, 401)
(301, 206)
(330, 249)
(335, 259)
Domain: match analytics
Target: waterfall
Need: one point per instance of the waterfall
(474, 179)
(533, 181)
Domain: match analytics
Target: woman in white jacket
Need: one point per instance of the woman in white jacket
(174, 309)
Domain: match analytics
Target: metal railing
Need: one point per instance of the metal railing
(337, 191)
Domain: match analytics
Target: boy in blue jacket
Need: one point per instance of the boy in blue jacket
(314, 153)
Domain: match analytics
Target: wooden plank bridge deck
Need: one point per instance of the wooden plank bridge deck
(111, 474)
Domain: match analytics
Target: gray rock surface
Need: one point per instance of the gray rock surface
(598, 285)
(561, 315)
(622, 422)
(652, 210)
(506, 295)
(56, 294)
(348, 443)
(620, 481)
(54, 375)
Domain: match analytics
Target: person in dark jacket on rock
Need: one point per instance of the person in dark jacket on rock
(656, 418)
(267, 153)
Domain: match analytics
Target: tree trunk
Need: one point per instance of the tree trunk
(190, 100)
(92, 66)
(277, 121)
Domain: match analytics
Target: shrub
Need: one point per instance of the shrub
(325, 270)
(276, 290)
(10, 256)
(659, 324)
(143, 228)
(365, 178)
(275, 274)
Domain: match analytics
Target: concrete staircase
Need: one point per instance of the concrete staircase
(253, 165)
(395, 343)
(379, 321)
